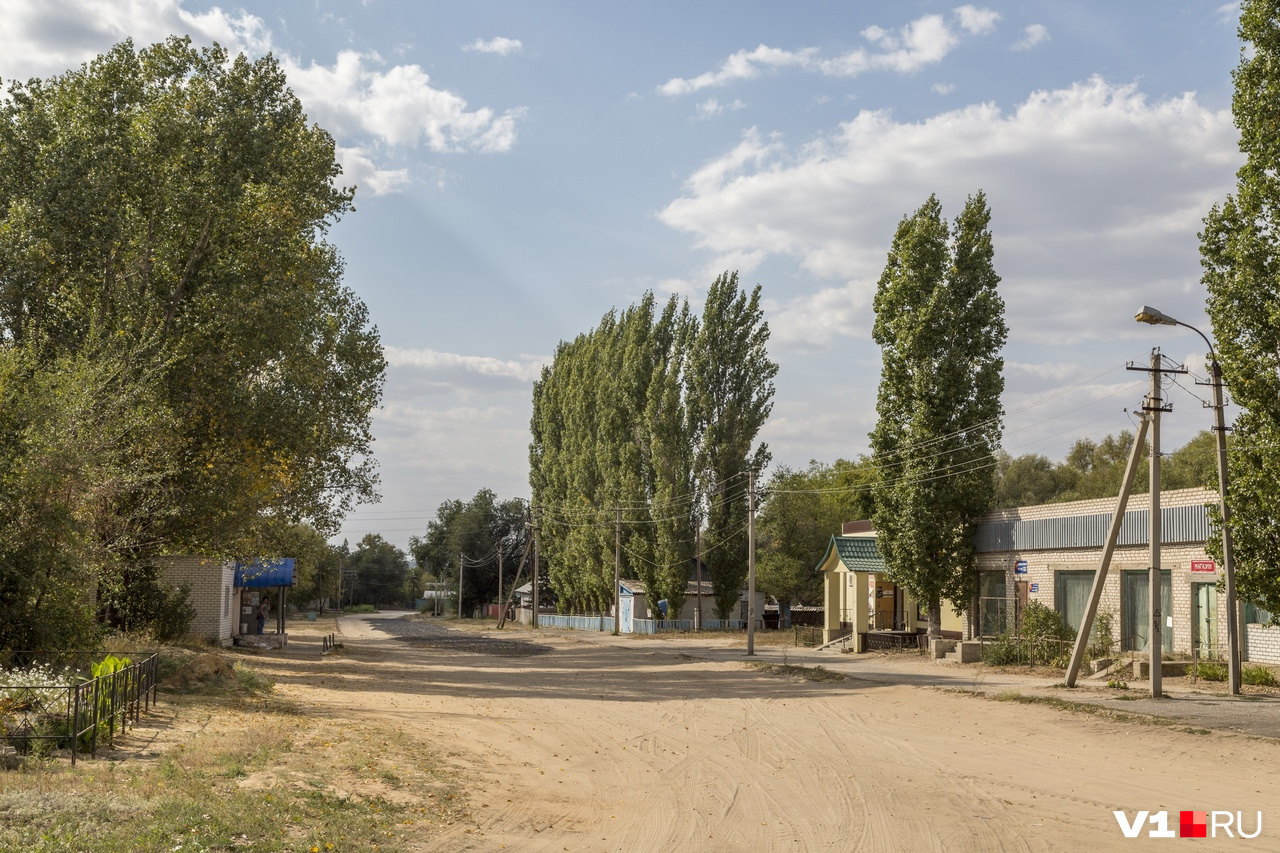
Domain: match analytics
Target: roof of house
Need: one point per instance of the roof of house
(857, 553)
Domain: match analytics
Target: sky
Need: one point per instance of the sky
(522, 168)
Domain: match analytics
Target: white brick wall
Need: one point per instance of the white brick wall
(1044, 566)
(1263, 643)
(211, 593)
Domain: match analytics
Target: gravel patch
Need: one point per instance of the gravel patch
(425, 634)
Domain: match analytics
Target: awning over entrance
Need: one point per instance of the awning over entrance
(854, 553)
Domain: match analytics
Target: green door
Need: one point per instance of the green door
(1071, 593)
(1204, 616)
(1137, 622)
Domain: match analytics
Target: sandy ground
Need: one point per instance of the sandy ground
(583, 742)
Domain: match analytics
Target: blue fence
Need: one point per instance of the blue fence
(724, 624)
(577, 623)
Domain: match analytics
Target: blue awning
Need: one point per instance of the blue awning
(265, 573)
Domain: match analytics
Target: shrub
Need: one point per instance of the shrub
(1042, 638)
(1211, 670)
(1103, 638)
(1259, 676)
(359, 608)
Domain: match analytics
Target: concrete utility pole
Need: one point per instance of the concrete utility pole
(499, 573)
(460, 558)
(1113, 536)
(1156, 634)
(1234, 620)
(1235, 616)
(697, 557)
(617, 568)
(751, 562)
(535, 568)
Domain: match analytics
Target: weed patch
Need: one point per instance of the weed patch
(808, 673)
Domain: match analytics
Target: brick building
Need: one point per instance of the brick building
(1049, 553)
(212, 586)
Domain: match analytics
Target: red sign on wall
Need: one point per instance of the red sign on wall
(1206, 566)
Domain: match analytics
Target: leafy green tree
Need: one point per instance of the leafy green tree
(801, 511)
(1240, 254)
(171, 203)
(1025, 480)
(378, 571)
(478, 529)
(940, 325)
(730, 391)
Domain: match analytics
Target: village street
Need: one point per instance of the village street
(571, 741)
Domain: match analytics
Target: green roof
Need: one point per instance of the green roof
(858, 553)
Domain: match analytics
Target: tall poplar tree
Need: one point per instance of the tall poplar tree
(730, 390)
(1240, 253)
(940, 324)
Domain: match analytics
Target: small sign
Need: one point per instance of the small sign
(1035, 587)
(1020, 567)
(1205, 566)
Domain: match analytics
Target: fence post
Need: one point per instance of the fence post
(75, 721)
(93, 740)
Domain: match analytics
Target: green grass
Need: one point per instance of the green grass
(1211, 670)
(1259, 676)
(250, 772)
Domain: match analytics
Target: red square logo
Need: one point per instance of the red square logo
(1193, 824)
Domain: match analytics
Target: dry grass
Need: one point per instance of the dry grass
(229, 766)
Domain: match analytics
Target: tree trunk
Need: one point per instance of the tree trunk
(935, 618)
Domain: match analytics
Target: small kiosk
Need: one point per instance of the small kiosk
(261, 587)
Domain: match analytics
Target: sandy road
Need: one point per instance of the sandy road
(583, 746)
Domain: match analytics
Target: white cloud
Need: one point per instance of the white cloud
(501, 45)
(922, 42)
(743, 65)
(943, 88)
(360, 171)
(1229, 13)
(1032, 36)
(359, 98)
(1096, 196)
(452, 364)
(711, 107)
(975, 20)
(397, 105)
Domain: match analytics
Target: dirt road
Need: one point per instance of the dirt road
(570, 744)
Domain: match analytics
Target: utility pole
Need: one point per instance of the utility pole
(1113, 535)
(1153, 406)
(1156, 634)
(500, 572)
(617, 568)
(460, 585)
(1234, 631)
(697, 557)
(535, 568)
(751, 562)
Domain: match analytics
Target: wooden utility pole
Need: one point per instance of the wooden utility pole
(617, 568)
(751, 562)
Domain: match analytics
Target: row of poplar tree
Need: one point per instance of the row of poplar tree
(652, 417)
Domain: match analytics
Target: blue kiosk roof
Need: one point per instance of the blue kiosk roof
(265, 573)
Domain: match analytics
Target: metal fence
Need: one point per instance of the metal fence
(877, 641)
(577, 623)
(77, 715)
(660, 626)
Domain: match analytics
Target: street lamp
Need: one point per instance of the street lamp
(1159, 318)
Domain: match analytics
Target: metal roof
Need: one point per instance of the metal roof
(1179, 524)
(857, 553)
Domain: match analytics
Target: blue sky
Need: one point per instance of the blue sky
(524, 167)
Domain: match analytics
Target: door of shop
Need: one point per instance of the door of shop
(1136, 624)
(1204, 618)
